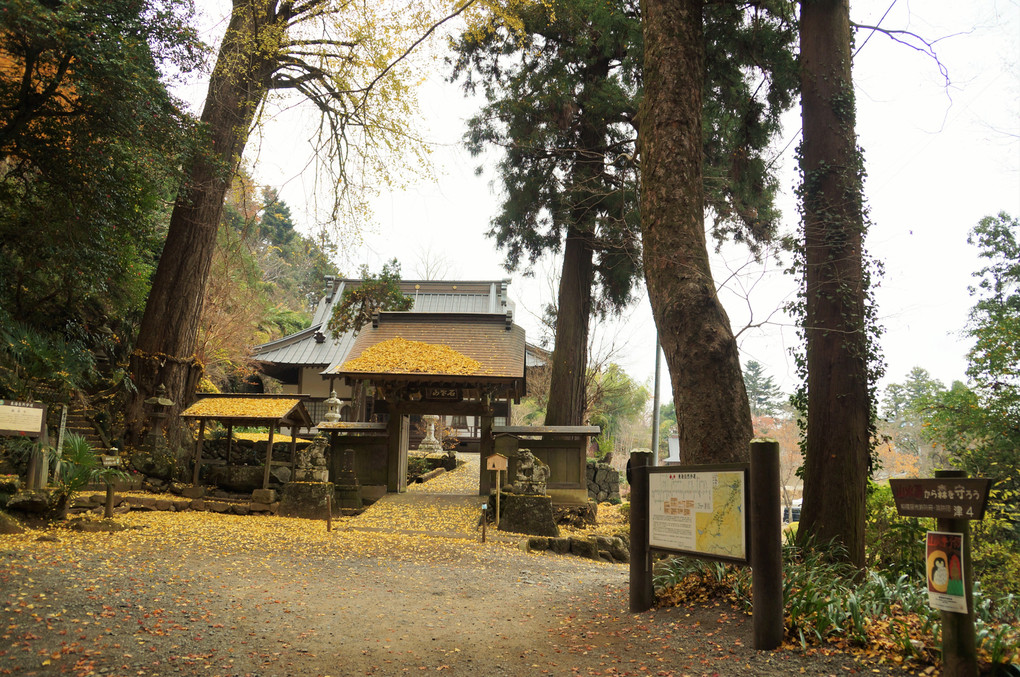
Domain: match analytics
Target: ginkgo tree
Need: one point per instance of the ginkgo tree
(344, 58)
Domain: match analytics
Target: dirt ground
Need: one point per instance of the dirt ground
(206, 594)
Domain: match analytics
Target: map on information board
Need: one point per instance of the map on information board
(701, 512)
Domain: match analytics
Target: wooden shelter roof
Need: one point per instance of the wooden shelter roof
(252, 409)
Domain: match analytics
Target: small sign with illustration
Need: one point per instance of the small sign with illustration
(944, 567)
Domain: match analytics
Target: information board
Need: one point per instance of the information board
(699, 510)
(21, 418)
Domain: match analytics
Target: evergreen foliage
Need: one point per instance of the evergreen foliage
(90, 143)
(560, 91)
(571, 66)
(764, 396)
(375, 293)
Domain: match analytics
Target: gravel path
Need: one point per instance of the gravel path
(207, 594)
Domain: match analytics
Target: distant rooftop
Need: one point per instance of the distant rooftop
(315, 346)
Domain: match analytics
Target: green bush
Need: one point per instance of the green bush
(827, 599)
(893, 544)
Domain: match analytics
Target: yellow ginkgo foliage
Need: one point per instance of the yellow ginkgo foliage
(400, 356)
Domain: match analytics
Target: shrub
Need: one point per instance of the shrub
(826, 600)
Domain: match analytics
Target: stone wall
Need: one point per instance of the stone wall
(603, 482)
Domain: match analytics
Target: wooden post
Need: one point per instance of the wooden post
(393, 429)
(230, 440)
(293, 448)
(486, 447)
(641, 592)
(329, 512)
(766, 546)
(108, 507)
(198, 451)
(269, 456)
(499, 490)
(959, 641)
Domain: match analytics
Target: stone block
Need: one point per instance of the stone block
(217, 506)
(348, 497)
(305, 499)
(538, 543)
(560, 546)
(584, 547)
(263, 496)
(241, 478)
(527, 514)
(193, 492)
(198, 504)
(256, 506)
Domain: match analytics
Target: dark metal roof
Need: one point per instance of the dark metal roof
(315, 347)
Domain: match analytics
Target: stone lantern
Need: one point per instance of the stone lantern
(158, 405)
(332, 407)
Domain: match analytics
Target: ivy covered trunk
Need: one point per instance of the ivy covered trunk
(165, 350)
(838, 401)
(713, 419)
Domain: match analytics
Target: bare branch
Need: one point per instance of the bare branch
(432, 29)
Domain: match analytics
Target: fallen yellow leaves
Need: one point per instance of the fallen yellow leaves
(241, 407)
(400, 356)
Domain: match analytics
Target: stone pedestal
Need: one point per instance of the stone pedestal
(311, 475)
(305, 499)
(530, 514)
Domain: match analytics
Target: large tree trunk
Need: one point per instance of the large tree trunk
(568, 380)
(165, 350)
(570, 356)
(837, 450)
(713, 419)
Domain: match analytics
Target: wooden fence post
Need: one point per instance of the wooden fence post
(766, 546)
(641, 589)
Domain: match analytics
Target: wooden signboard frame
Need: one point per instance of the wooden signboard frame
(27, 419)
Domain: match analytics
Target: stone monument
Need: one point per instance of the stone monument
(525, 508)
(309, 494)
(430, 445)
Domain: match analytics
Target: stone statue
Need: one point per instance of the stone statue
(311, 461)
(532, 474)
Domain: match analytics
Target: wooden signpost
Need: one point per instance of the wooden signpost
(952, 499)
(497, 462)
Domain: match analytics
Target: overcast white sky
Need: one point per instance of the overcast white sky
(938, 158)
